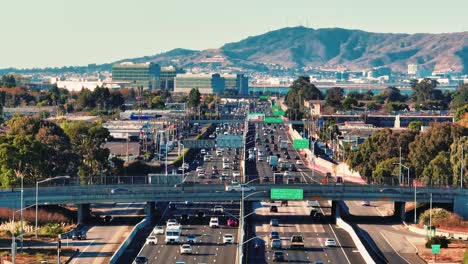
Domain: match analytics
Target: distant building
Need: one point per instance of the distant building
(236, 84)
(167, 77)
(9, 112)
(413, 69)
(130, 74)
(206, 83)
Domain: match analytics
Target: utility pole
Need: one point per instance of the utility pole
(400, 167)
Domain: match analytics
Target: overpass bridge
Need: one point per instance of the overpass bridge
(91, 194)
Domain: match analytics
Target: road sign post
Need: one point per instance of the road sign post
(435, 250)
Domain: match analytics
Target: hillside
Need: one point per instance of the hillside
(354, 49)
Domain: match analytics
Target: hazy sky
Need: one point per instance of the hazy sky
(39, 33)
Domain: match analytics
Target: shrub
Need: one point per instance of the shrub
(441, 240)
(439, 215)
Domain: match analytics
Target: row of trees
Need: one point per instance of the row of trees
(38, 149)
(434, 157)
(424, 96)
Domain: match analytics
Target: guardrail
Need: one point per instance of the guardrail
(127, 241)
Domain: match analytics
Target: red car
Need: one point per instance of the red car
(232, 223)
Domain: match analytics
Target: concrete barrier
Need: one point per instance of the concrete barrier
(448, 234)
(127, 241)
(362, 250)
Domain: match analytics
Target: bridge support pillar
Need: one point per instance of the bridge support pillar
(150, 210)
(334, 212)
(399, 210)
(84, 211)
(460, 205)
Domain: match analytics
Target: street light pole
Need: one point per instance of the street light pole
(37, 195)
(415, 206)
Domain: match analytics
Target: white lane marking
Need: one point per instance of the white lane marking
(388, 242)
(337, 240)
(84, 250)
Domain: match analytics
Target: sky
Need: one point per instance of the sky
(51, 33)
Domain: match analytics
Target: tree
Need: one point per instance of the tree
(349, 102)
(157, 103)
(424, 90)
(415, 125)
(8, 81)
(437, 139)
(459, 145)
(461, 112)
(194, 98)
(460, 98)
(395, 106)
(438, 171)
(334, 96)
(387, 172)
(391, 94)
(85, 100)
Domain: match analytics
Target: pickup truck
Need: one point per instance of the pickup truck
(239, 188)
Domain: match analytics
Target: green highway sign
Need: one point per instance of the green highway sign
(264, 97)
(301, 144)
(287, 194)
(230, 141)
(279, 113)
(435, 248)
(273, 120)
(199, 144)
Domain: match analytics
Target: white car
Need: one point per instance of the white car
(235, 174)
(228, 239)
(225, 166)
(218, 209)
(151, 240)
(239, 188)
(203, 151)
(199, 169)
(185, 249)
(201, 175)
(225, 159)
(235, 181)
(260, 158)
(330, 242)
(299, 162)
(171, 222)
(286, 174)
(225, 174)
(158, 230)
(207, 158)
(214, 222)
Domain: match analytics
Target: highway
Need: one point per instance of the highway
(209, 247)
(103, 239)
(384, 235)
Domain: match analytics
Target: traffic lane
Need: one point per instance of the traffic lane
(293, 220)
(389, 239)
(208, 249)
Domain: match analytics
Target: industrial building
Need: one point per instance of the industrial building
(211, 83)
(146, 75)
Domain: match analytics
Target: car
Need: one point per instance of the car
(274, 222)
(275, 243)
(119, 191)
(151, 240)
(140, 260)
(280, 160)
(330, 242)
(265, 179)
(207, 158)
(299, 162)
(191, 239)
(235, 174)
(201, 175)
(274, 235)
(185, 249)
(317, 216)
(288, 157)
(199, 169)
(232, 222)
(214, 167)
(235, 182)
(108, 219)
(79, 235)
(218, 209)
(172, 206)
(214, 222)
(184, 218)
(287, 174)
(225, 166)
(172, 222)
(203, 151)
(365, 203)
(225, 159)
(260, 158)
(273, 209)
(278, 256)
(292, 167)
(225, 174)
(228, 239)
(318, 262)
(158, 230)
(388, 190)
